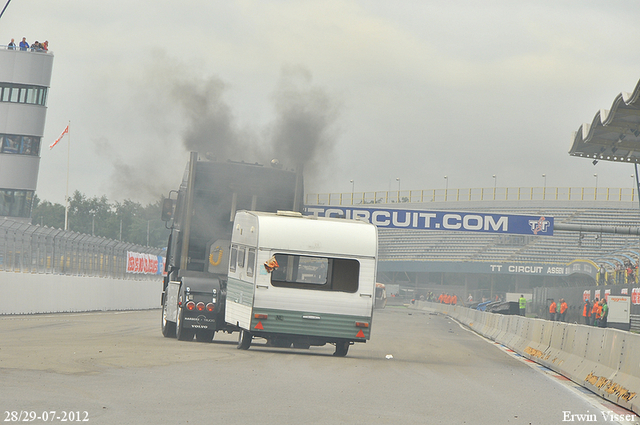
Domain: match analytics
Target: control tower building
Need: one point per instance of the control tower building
(25, 76)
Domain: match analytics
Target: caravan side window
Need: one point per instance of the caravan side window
(233, 258)
(240, 256)
(251, 261)
(320, 273)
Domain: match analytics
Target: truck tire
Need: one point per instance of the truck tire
(168, 328)
(341, 349)
(205, 335)
(244, 340)
(182, 333)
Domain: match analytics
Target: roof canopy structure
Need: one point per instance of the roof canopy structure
(614, 134)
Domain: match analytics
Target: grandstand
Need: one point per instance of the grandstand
(482, 262)
(561, 248)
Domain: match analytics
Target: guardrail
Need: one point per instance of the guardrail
(31, 248)
(476, 194)
(603, 360)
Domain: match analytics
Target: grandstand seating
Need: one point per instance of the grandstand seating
(562, 248)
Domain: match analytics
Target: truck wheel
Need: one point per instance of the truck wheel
(182, 333)
(341, 349)
(168, 328)
(205, 335)
(302, 345)
(244, 340)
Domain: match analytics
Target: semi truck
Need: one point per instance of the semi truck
(301, 281)
(200, 217)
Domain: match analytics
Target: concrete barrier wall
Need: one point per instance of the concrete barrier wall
(575, 343)
(25, 293)
(627, 376)
(517, 339)
(605, 361)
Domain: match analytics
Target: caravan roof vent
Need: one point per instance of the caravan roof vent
(290, 213)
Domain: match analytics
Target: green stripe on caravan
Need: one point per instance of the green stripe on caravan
(312, 324)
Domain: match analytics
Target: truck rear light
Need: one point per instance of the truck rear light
(362, 324)
(200, 306)
(261, 316)
(211, 306)
(191, 305)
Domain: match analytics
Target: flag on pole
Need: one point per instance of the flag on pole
(65, 131)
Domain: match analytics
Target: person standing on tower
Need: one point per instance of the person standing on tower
(23, 44)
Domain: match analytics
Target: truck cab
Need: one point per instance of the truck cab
(200, 217)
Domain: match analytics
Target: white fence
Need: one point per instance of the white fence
(27, 293)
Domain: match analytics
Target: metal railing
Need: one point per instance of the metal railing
(600, 194)
(31, 248)
(28, 49)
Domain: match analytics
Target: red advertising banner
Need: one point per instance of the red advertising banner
(138, 262)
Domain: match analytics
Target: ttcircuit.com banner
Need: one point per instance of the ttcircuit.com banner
(441, 220)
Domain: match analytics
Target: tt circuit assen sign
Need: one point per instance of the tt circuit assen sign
(441, 220)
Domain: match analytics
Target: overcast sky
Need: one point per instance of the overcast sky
(379, 90)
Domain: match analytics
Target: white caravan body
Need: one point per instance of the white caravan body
(322, 289)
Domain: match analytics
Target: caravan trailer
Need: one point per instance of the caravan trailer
(299, 280)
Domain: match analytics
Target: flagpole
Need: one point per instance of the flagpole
(66, 196)
(4, 8)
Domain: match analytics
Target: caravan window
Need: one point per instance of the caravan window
(240, 256)
(321, 273)
(251, 260)
(233, 258)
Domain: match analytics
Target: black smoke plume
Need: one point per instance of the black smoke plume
(302, 134)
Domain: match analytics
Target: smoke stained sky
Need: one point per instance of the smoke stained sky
(414, 90)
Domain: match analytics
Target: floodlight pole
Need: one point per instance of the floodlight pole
(66, 196)
(446, 187)
(495, 184)
(352, 187)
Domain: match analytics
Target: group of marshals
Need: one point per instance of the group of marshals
(595, 314)
(558, 312)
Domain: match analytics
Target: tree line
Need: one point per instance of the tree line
(126, 221)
